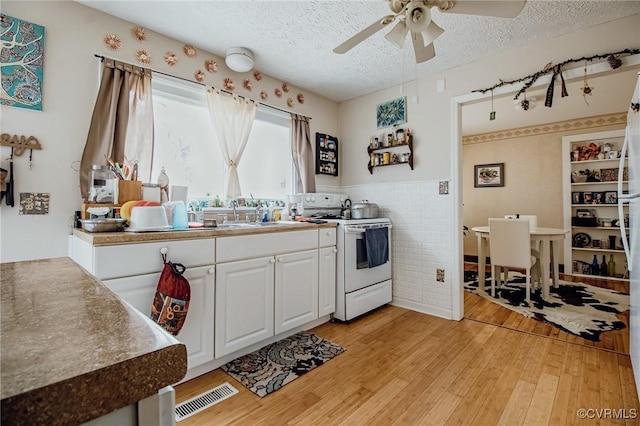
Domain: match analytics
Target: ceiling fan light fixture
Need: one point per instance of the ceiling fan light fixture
(398, 34)
(239, 59)
(418, 17)
(431, 33)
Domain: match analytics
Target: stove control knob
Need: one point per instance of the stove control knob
(307, 198)
(313, 199)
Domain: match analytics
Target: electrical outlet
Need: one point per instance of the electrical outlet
(440, 275)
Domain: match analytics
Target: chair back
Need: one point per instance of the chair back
(533, 219)
(509, 242)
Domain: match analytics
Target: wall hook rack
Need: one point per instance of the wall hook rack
(19, 143)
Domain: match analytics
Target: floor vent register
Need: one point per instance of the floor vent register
(204, 400)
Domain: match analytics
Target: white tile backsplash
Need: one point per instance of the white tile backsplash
(422, 238)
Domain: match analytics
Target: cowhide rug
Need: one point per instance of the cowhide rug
(577, 308)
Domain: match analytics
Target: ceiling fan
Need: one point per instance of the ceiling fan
(414, 16)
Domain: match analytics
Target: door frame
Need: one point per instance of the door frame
(457, 102)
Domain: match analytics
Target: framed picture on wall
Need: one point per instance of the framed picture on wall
(487, 175)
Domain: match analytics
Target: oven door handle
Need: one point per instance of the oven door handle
(357, 230)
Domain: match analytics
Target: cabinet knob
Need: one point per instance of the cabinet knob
(329, 233)
(272, 260)
(335, 250)
(164, 250)
(280, 259)
(211, 271)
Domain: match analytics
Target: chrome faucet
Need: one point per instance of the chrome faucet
(234, 204)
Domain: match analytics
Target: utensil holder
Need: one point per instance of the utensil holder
(129, 190)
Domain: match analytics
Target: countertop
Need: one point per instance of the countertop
(112, 238)
(72, 350)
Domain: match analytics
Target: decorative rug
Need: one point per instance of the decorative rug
(577, 308)
(273, 366)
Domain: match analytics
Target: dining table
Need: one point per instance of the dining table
(549, 242)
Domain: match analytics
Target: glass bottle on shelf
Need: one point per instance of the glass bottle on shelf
(595, 268)
(611, 266)
(603, 267)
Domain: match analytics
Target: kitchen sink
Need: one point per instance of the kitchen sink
(236, 225)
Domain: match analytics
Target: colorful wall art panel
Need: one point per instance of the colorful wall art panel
(22, 61)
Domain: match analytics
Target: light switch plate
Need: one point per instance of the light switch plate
(443, 187)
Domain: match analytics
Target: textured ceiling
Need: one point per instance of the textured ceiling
(293, 40)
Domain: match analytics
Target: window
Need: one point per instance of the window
(184, 145)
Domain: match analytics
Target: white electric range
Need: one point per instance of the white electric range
(360, 286)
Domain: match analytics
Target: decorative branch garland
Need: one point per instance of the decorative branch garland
(612, 58)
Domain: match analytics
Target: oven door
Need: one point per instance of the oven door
(357, 273)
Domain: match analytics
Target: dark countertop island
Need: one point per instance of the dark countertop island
(72, 350)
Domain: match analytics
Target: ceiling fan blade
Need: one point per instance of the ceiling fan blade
(397, 34)
(423, 53)
(500, 9)
(364, 34)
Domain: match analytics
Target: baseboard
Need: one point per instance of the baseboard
(419, 307)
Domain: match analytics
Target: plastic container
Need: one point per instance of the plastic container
(180, 217)
(148, 218)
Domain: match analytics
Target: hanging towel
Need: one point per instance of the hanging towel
(377, 244)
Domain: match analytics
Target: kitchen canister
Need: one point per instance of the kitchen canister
(386, 157)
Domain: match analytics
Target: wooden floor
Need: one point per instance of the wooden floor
(480, 309)
(403, 367)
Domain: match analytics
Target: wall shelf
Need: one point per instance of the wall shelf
(587, 146)
(377, 155)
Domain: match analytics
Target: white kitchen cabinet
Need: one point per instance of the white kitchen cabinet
(197, 331)
(244, 304)
(326, 280)
(296, 290)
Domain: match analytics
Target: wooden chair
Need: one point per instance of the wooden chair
(510, 247)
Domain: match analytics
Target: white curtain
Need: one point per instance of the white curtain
(232, 118)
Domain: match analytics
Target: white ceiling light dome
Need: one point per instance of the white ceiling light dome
(239, 59)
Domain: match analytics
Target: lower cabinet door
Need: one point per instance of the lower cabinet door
(327, 281)
(197, 331)
(244, 304)
(296, 289)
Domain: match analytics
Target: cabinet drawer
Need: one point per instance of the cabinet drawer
(136, 259)
(261, 245)
(326, 237)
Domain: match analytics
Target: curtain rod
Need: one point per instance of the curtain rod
(102, 58)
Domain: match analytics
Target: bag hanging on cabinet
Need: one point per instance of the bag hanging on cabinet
(171, 302)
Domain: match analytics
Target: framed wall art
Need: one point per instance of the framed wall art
(391, 113)
(22, 68)
(488, 175)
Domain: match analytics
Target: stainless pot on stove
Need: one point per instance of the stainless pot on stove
(364, 210)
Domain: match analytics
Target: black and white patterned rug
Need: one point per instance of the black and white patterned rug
(577, 308)
(273, 366)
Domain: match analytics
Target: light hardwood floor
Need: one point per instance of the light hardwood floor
(480, 309)
(403, 367)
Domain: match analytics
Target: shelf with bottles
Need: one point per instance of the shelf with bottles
(326, 154)
(610, 266)
(389, 154)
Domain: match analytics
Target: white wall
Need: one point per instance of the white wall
(74, 33)
(430, 123)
